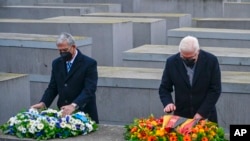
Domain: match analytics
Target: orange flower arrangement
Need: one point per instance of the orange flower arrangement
(173, 128)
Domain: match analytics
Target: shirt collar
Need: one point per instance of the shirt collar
(73, 59)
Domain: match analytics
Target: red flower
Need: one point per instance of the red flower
(204, 139)
(187, 138)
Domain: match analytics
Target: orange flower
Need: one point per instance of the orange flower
(151, 138)
(195, 129)
(173, 138)
(187, 138)
(134, 129)
(204, 139)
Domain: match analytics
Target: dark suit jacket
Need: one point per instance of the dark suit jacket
(202, 96)
(78, 86)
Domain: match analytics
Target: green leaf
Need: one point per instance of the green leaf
(19, 135)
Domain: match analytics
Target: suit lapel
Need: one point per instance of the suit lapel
(76, 64)
(182, 70)
(62, 66)
(199, 66)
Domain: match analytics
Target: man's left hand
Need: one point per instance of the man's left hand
(198, 116)
(67, 110)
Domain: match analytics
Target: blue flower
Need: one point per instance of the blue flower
(39, 133)
(78, 126)
(82, 118)
(58, 125)
(67, 119)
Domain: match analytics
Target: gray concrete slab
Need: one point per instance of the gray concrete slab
(145, 30)
(98, 7)
(227, 23)
(154, 56)
(127, 5)
(110, 37)
(213, 37)
(40, 12)
(242, 8)
(173, 20)
(27, 2)
(14, 93)
(134, 91)
(197, 8)
(39, 52)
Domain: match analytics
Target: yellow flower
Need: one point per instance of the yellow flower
(201, 130)
(160, 132)
(194, 136)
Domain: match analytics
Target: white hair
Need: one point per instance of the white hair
(66, 36)
(188, 44)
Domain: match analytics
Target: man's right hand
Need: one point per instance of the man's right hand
(38, 106)
(169, 108)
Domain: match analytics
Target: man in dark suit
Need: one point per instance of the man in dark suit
(195, 77)
(74, 78)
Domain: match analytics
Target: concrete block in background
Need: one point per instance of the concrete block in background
(40, 12)
(155, 56)
(126, 5)
(98, 7)
(134, 91)
(172, 20)
(212, 37)
(110, 38)
(27, 2)
(14, 93)
(33, 53)
(145, 30)
(237, 9)
(197, 8)
(228, 23)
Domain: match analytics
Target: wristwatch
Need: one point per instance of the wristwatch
(75, 105)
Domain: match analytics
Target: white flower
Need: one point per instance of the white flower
(91, 122)
(68, 126)
(63, 119)
(82, 127)
(33, 111)
(63, 124)
(12, 119)
(73, 128)
(39, 119)
(89, 126)
(20, 128)
(40, 126)
(24, 130)
(32, 122)
(72, 120)
(31, 130)
(78, 121)
(59, 114)
(52, 123)
(17, 121)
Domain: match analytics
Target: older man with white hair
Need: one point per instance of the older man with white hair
(74, 78)
(195, 77)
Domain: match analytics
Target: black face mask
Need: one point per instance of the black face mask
(67, 56)
(189, 62)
